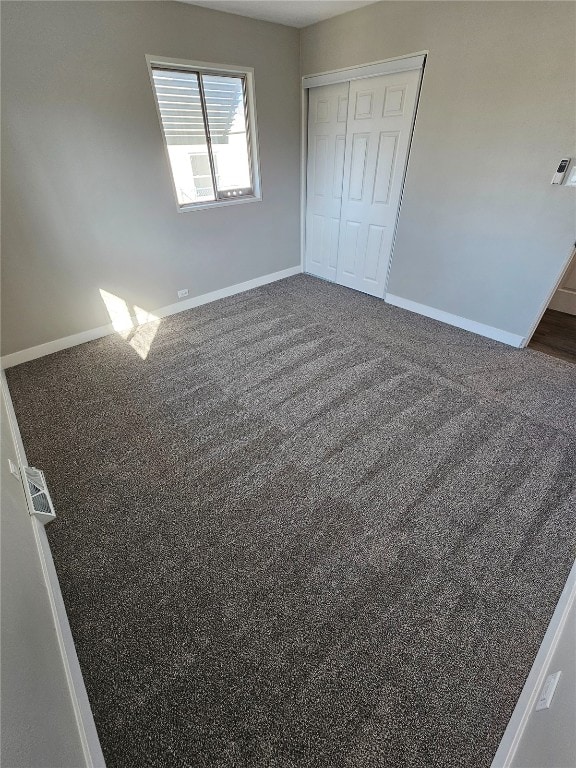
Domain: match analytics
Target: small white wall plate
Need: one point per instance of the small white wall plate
(547, 692)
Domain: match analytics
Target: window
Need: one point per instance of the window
(208, 121)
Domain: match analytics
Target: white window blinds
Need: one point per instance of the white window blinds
(204, 118)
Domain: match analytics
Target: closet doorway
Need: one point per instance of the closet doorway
(360, 126)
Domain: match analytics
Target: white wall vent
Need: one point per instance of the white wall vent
(40, 502)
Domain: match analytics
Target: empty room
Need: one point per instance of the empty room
(288, 323)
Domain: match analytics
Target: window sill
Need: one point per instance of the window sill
(219, 203)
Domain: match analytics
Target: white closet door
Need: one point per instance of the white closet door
(327, 116)
(379, 127)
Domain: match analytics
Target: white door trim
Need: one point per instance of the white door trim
(525, 705)
(375, 68)
(303, 172)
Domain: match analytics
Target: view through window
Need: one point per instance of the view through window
(205, 120)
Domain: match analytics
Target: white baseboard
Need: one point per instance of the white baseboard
(535, 680)
(84, 719)
(223, 293)
(564, 300)
(513, 339)
(7, 361)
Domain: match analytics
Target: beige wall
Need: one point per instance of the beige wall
(86, 193)
(482, 233)
(87, 198)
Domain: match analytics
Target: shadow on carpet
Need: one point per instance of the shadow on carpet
(309, 530)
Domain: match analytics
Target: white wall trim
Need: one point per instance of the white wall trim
(7, 361)
(533, 685)
(85, 720)
(16, 358)
(303, 172)
(373, 69)
(513, 339)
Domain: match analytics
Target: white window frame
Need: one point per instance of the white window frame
(204, 67)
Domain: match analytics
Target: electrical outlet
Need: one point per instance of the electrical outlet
(183, 293)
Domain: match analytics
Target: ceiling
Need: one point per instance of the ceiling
(294, 13)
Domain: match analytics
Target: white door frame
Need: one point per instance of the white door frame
(372, 69)
(519, 720)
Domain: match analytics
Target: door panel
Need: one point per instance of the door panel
(327, 119)
(386, 160)
(320, 159)
(378, 134)
(339, 153)
(373, 251)
(349, 248)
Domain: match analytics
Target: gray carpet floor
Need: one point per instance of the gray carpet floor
(309, 530)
